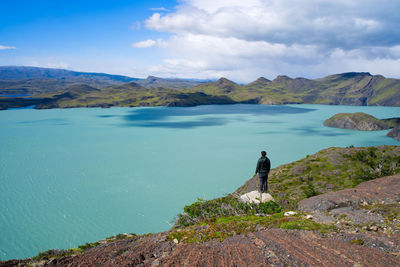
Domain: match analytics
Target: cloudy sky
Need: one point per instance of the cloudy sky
(237, 39)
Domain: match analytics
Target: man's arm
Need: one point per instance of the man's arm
(258, 166)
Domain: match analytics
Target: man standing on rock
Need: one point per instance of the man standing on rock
(263, 168)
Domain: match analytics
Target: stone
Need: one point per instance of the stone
(309, 216)
(176, 241)
(290, 213)
(255, 197)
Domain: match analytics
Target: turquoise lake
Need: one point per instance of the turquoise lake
(71, 176)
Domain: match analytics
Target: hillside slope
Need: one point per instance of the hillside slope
(339, 89)
(331, 234)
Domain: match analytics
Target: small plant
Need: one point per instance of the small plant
(88, 245)
(359, 242)
(309, 190)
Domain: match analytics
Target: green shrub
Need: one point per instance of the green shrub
(88, 245)
(225, 206)
(53, 253)
(309, 190)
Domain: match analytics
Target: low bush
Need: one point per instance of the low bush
(225, 206)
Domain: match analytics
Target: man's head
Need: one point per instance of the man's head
(263, 153)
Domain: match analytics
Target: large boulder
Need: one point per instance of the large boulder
(255, 197)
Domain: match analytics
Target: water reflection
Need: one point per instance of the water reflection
(163, 116)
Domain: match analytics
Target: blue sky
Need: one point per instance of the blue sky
(240, 40)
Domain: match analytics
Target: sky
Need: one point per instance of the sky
(205, 39)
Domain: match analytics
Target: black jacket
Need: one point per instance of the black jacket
(263, 165)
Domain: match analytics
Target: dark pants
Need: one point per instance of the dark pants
(263, 182)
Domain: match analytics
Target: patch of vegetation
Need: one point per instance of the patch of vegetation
(373, 163)
(359, 242)
(88, 245)
(390, 211)
(120, 237)
(224, 206)
(222, 227)
(309, 190)
(55, 253)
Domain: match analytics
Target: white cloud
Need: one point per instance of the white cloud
(267, 37)
(3, 47)
(160, 9)
(144, 44)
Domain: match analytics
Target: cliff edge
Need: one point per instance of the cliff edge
(345, 205)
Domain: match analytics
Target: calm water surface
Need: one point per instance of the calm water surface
(71, 176)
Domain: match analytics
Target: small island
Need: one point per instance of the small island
(364, 122)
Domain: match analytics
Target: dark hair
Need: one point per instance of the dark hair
(263, 153)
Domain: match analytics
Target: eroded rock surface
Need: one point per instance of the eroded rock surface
(386, 189)
(272, 247)
(370, 205)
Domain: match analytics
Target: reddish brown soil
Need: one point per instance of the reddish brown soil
(272, 247)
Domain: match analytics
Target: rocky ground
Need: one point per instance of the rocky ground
(366, 233)
(272, 247)
(372, 205)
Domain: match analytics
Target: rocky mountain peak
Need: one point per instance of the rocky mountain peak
(226, 85)
(223, 81)
(282, 78)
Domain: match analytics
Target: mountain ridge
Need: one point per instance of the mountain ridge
(351, 88)
(32, 80)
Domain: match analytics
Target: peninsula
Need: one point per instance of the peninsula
(364, 122)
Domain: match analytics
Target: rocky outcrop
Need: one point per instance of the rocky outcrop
(256, 197)
(395, 133)
(367, 204)
(356, 121)
(386, 189)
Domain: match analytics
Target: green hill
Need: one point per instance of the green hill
(339, 89)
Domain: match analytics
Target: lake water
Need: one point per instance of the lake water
(71, 176)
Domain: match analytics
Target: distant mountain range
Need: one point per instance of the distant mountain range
(54, 88)
(20, 80)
